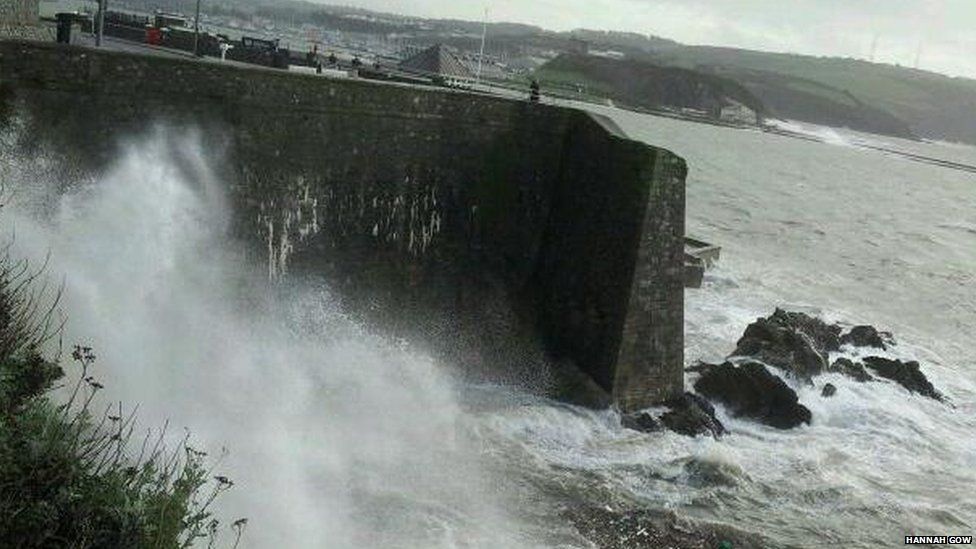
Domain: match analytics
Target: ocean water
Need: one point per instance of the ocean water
(337, 436)
(859, 237)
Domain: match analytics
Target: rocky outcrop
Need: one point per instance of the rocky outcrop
(864, 336)
(692, 415)
(800, 345)
(906, 374)
(796, 343)
(641, 421)
(689, 415)
(752, 391)
(826, 337)
(851, 369)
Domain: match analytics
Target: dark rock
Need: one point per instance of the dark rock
(642, 422)
(752, 391)
(863, 336)
(851, 369)
(793, 342)
(828, 391)
(826, 337)
(907, 374)
(692, 415)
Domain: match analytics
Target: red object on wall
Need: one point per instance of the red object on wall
(154, 36)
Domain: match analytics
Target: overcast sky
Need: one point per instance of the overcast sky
(946, 29)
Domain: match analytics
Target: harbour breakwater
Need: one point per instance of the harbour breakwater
(476, 223)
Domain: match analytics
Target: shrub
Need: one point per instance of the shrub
(69, 476)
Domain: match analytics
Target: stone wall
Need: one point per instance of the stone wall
(501, 232)
(20, 19)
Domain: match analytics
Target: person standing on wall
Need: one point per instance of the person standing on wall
(534, 91)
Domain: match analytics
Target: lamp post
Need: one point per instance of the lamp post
(481, 55)
(102, 6)
(196, 32)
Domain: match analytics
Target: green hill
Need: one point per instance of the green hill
(796, 86)
(642, 84)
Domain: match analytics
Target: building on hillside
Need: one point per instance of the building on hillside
(608, 54)
(737, 113)
(440, 63)
(21, 19)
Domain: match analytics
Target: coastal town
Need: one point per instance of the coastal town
(355, 43)
(347, 43)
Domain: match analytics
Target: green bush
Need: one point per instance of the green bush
(69, 476)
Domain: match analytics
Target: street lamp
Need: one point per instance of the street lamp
(484, 33)
(102, 5)
(196, 32)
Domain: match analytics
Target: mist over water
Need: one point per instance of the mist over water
(340, 437)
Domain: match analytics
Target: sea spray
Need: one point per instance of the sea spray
(335, 436)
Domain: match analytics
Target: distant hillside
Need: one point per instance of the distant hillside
(643, 84)
(816, 89)
(811, 101)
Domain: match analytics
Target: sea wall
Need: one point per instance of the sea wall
(498, 231)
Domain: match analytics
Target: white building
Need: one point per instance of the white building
(441, 63)
(737, 113)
